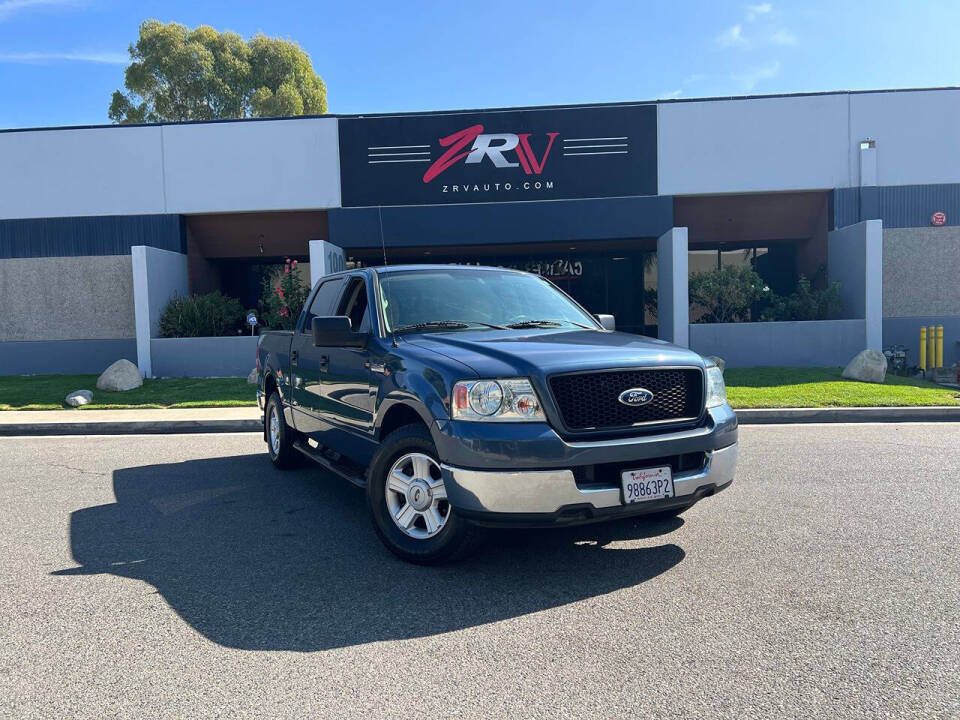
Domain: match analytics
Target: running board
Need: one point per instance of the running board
(327, 464)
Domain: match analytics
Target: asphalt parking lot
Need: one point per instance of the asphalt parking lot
(181, 576)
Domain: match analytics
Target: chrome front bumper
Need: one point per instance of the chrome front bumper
(545, 492)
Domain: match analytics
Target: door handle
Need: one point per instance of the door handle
(376, 367)
(294, 357)
(324, 361)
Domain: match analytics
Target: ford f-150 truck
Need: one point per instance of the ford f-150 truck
(461, 396)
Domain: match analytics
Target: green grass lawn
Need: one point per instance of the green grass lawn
(46, 392)
(764, 387)
(776, 387)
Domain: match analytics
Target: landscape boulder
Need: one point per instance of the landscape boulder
(721, 363)
(867, 366)
(252, 377)
(123, 375)
(79, 397)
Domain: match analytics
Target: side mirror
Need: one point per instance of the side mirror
(609, 322)
(336, 331)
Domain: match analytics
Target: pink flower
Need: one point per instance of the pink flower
(286, 270)
(285, 312)
(294, 263)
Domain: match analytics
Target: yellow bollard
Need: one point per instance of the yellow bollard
(923, 348)
(931, 347)
(939, 346)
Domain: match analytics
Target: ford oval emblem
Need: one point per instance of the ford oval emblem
(635, 397)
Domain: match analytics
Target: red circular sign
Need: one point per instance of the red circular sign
(938, 218)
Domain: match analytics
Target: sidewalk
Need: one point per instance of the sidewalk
(247, 419)
(129, 422)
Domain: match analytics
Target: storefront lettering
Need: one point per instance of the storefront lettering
(561, 269)
(498, 187)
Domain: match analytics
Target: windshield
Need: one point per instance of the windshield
(475, 298)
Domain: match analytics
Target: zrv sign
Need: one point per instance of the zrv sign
(500, 156)
(472, 145)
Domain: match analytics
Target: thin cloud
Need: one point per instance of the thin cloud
(783, 37)
(684, 86)
(755, 11)
(8, 8)
(732, 36)
(37, 58)
(760, 31)
(749, 79)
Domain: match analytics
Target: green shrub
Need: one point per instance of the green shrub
(211, 315)
(806, 303)
(726, 294)
(650, 301)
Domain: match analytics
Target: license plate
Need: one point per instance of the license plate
(646, 484)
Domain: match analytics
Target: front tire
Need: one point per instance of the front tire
(279, 435)
(408, 501)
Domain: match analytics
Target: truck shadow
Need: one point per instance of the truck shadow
(257, 559)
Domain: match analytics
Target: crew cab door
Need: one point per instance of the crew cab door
(307, 363)
(345, 381)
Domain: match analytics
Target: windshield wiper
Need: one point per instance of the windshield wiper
(543, 324)
(450, 324)
(486, 324)
(445, 325)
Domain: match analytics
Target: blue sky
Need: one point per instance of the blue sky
(60, 60)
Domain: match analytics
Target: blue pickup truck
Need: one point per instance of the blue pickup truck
(463, 396)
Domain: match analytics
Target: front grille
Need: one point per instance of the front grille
(589, 400)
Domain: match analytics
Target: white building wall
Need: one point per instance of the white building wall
(191, 168)
(755, 145)
(158, 277)
(917, 135)
(252, 166)
(97, 171)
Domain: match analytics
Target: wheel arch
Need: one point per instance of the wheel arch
(269, 387)
(400, 413)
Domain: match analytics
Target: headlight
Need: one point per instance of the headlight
(716, 388)
(486, 397)
(500, 400)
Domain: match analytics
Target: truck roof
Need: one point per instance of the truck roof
(387, 269)
(383, 269)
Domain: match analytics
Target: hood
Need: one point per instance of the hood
(495, 353)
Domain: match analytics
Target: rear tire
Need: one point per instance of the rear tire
(407, 501)
(279, 436)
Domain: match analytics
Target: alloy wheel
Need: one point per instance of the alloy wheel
(416, 497)
(274, 431)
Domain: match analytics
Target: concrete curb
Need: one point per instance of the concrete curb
(936, 413)
(224, 425)
(130, 427)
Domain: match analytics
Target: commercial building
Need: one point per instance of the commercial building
(618, 203)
